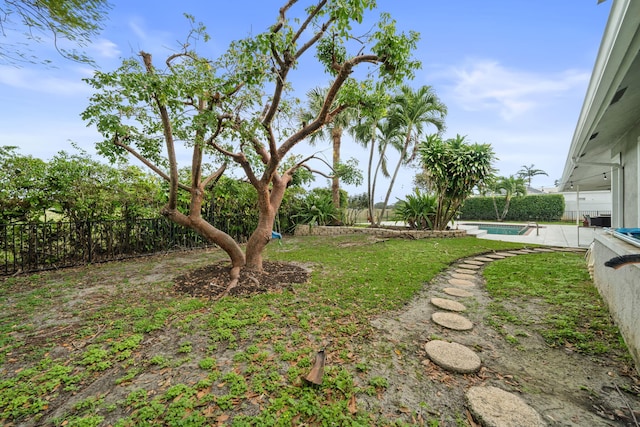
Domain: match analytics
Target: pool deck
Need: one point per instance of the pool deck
(570, 236)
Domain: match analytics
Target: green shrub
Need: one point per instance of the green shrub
(544, 207)
(418, 210)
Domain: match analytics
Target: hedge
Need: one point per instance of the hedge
(544, 207)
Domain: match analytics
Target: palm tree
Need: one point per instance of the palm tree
(375, 133)
(411, 112)
(332, 131)
(528, 172)
(508, 187)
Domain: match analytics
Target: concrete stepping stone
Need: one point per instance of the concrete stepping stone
(452, 321)
(543, 250)
(507, 254)
(473, 262)
(457, 292)
(453, 356)
(465, 271)
(483, 259)
(463, 276)
(469, 266)
(495, 256)
(448, 304)
(494, 407)
(461, 282)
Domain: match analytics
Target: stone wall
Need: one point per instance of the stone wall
(308, 230)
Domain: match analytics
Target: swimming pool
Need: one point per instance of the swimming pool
(506, 229)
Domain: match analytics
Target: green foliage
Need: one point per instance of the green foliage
(76, 187)
(454, 168)
(316, 209)
(417, 210)
(77, 21)
(544, 207)
(23, 197)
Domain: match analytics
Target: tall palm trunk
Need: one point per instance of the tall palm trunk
(336, 136)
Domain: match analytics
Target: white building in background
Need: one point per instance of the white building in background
(592, 203)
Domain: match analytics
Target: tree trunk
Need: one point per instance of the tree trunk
(268, 205)
(195, 222)
(403, 153)
(336, 136)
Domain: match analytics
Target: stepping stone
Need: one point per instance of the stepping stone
(452, 321)
(542, 250)
(483, 258)
(465, 271)
(495, 256)
(457, 292)
(463, 276)
(473, 262)
(447, 304)
(469, 266)
(461, 282)
(453, 356)
(508, 254)
(514, 253)
(494, 407)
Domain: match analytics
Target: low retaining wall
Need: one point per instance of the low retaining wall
(308, 230)
(619, 288)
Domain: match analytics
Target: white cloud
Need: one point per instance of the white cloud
(41, 81)
(487, 85)
(105, 48)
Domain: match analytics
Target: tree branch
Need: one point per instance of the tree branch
(146, 162)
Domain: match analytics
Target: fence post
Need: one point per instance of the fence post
(89, 243)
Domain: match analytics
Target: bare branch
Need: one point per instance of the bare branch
(214, 177)
(117, 141)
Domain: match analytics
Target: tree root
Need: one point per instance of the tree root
(235, 276)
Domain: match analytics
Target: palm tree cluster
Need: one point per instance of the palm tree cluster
(388, 122)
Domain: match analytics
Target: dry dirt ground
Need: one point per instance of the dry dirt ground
(566, 388)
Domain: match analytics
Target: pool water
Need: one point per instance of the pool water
(510, 230)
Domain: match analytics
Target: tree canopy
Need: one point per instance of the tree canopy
(454, 167)
(235, 109)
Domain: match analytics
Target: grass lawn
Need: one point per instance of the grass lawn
(113, 344)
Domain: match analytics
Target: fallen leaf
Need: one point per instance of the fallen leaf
(352, 405)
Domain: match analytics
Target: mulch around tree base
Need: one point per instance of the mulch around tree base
(211, 281)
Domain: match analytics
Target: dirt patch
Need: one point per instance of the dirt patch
(211, 281)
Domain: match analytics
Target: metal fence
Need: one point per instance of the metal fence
(45, 246)
(571, 215)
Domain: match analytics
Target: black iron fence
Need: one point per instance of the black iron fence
(45, 246)
(571, 215)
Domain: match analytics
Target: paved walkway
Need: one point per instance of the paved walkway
(568, 236)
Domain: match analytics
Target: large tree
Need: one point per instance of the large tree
(230, 109)
(454, 168)
(62, 21)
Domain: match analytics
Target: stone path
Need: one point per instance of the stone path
(490, 406)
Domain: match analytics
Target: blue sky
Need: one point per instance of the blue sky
(512, 73)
